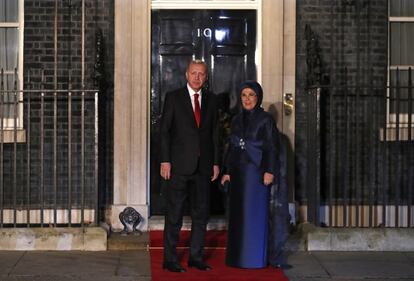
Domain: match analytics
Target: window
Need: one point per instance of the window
(11, 62)
(400, 61)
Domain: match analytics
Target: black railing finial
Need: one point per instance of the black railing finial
(99, 74)
(313, 58)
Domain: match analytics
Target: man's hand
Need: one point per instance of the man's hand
(225, 178)
(216, 172)
(165, 170)
(267, 178)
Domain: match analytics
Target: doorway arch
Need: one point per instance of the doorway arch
(275, 62)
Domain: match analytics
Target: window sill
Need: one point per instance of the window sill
(8, 136)
(391, 133)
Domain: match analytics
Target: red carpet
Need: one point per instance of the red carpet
(214, 255)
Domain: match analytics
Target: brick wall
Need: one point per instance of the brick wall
(353, 42)
(39, 39)
(39, 58)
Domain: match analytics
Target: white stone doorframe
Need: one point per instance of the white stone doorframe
(276, 71)
(131, 98)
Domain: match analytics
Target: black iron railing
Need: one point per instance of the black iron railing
(360, 170)
(48, 157)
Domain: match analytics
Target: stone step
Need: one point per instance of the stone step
(132, 241)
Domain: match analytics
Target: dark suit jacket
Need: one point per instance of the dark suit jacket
(182, 142)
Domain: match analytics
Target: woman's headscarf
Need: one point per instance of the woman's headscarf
(247, 114)
(256, 88)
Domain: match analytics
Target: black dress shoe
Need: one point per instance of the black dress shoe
(173, 267)
(199, 265)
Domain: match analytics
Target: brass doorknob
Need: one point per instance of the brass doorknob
(288, 103)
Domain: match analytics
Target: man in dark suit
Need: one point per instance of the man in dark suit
(189, 161)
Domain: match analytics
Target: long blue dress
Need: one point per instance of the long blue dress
(251, 153)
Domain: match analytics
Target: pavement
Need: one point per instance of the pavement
(127, 259)
(344, 266)
(75, 265)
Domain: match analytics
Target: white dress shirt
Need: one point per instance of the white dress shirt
(192, 92)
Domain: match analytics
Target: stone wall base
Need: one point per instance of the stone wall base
(53, 239)
(361, 239)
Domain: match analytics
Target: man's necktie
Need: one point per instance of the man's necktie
(197, 109)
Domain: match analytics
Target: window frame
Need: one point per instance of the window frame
(392, 117)
(396, 131)
(8, 123)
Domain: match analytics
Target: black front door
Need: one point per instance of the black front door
(225, 40)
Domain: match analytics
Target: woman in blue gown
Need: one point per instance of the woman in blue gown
(251, 166)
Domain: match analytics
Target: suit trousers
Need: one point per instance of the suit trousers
(196, 188)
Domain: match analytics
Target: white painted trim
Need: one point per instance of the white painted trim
(9, 24)
(20, 62)
(401, 19)
(9, 72)
(401, 67)
(148, 128)
(205, 4)
(131, 115)
(259, 43)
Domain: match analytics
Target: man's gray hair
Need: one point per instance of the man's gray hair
(197, 61)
